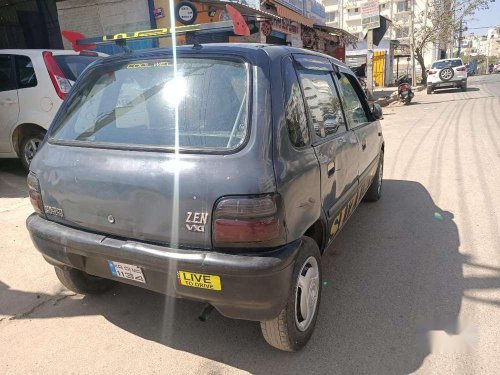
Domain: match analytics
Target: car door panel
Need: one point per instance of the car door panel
(360, 120)
(333, 143)
(9, 102)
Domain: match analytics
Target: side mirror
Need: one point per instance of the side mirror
(331, 126)
(377, 111)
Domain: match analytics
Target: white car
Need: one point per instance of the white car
(33, 84)
(445, 74)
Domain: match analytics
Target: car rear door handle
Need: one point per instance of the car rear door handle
(342, 140)
(363, 144)
(330, 168)
(7, 101)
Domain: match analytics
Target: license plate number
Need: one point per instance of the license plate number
(199, 280)
(126, 271)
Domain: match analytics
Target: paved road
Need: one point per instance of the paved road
(413, 282)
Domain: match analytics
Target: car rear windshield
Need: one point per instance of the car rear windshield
(73, 65)
(454, 63)
(144, 103)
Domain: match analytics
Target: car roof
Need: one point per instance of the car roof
(256, 49)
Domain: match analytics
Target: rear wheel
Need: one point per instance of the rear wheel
(29, 147)
(375, 190)
(429, 90)
(464, 86)
(293, 327)
(81, 282)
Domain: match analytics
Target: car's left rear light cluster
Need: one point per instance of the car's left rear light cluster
(35, 193)
(247, 220)
(62, 85)
(461, 69)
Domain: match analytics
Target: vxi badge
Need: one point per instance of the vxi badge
(195, 221)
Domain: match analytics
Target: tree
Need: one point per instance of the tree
(439, 23)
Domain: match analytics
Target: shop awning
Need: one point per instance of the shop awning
(334, 31)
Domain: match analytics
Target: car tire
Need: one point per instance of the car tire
(464, 87)
(29, 147)
(446, 74)
(81, 282)
(429, 90)
(290, 331)
(374, 192)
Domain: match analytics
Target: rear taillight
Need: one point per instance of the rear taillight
(461, 69)
(240, 220)
(404, 87)
(60, 82)
(35, 193)
(430, 72)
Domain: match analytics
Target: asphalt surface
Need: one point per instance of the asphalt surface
(412, 282)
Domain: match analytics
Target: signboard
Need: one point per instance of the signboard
(295, 5)
(370, 16)
(159, 13)
(314, 10)
(284, 25)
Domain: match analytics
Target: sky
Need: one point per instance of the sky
(488, 17)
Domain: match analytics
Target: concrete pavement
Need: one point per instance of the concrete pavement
(412, 282)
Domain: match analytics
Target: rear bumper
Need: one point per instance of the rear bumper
(254, 286)
(446, 84)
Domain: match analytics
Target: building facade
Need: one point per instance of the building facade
(346, 14)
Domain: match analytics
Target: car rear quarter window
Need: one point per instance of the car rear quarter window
(143, 103)
(323, 102)
(73, 65)
(6, 82)
(25, 73)
(295, 113)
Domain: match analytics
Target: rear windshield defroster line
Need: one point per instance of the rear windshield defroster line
(133, 105)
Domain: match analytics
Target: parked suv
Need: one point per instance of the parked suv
(445, 74)
(33, 84)
(223, 183)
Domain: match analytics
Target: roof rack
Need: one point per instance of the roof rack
(237, 26)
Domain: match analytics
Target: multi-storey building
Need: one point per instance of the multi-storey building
(346, 14)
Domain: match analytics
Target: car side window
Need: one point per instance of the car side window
(25, 72)
(355, 110)
(6, 83)
(295, 112)
(323, 102)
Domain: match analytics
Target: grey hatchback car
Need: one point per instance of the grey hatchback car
(220, 175)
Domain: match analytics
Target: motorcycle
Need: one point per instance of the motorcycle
(405, 93)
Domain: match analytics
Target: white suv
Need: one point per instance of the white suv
(445, 74)
(33, 84)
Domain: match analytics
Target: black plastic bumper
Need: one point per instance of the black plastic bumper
(254, 286)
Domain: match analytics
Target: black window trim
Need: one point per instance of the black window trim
(170, 149)
(282, 63)
(14, 60)
(315, 140)
(12, 78)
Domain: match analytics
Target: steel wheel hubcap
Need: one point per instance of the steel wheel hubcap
(306, 293)
(30, 149)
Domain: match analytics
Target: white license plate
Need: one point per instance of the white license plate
(126, 271)
(405, 92)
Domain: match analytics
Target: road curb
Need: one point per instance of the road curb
(384, 102)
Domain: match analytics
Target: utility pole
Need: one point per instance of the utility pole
(369, 62)
(412, 44)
